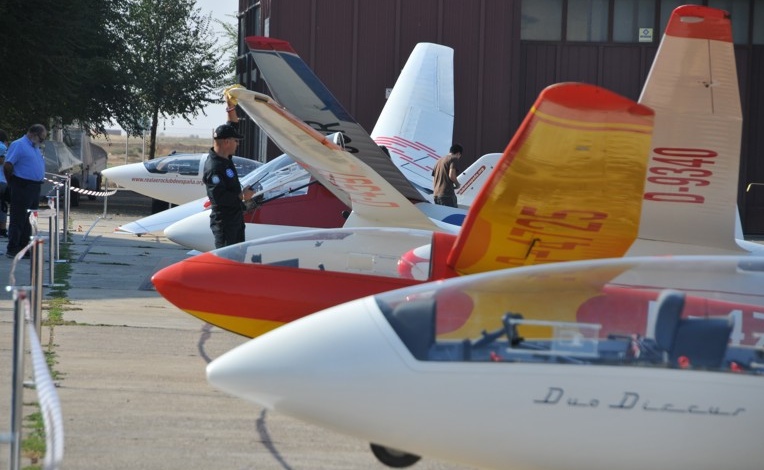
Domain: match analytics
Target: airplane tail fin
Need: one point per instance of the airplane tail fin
(691, 186)
(416, 124)
(567, 187)
(475, 177)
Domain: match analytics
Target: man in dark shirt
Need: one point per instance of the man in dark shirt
(223, 186)
(444, 182)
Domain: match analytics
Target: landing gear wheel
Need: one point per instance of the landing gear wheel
(393, 458)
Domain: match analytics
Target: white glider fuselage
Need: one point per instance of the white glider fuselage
(590, 396)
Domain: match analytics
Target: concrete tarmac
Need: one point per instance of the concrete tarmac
(131, 366)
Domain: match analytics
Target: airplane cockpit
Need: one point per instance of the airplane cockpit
(279, 177)
(693, 313)
(372, 251)
(191, 165)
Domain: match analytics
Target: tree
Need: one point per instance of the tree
(172, 61)
(59, 62)
(229, 48)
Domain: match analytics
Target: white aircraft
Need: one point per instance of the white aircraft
(372, 253)
(627, 363)
(414, 142)
(176, 178)
(416, 120)
(280, 177)
(575, 183)
(599, 361)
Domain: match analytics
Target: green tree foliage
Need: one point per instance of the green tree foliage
(172, 61)
(230, 37)
(58, 61)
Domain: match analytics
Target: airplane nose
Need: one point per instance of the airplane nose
(165, 278)
(307, 361)
(192, 232)
(119, 174)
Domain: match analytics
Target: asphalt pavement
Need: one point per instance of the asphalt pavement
(130, 366)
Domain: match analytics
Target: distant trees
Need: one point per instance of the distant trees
(94, 61)
(173, 64)
(58, 61)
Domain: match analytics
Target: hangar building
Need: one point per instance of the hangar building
(506, 52)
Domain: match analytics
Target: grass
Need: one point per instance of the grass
(33, 445)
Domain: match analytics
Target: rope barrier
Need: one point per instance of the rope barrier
(27, 314)
(50, 406)
(86, 192)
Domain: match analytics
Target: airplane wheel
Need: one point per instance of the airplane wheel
(393, 458)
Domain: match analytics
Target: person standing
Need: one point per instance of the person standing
(222, 182)
(25, 171)
(444, 182)
(3, 185)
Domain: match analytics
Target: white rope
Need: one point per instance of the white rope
(86, 192)
(50, 406)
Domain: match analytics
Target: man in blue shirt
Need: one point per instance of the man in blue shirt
(25, 171)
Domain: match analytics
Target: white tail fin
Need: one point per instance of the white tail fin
(474, 177)
(416, 124)
(691, 185)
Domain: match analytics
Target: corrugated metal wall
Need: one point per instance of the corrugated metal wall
(358, 47)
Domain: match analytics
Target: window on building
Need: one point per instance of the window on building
(634, 21)
(541, 20)
(758, 22)
(587, 20)
(738, 10)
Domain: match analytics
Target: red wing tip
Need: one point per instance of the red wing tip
(262, 43)
(699, 22)
(583, 96)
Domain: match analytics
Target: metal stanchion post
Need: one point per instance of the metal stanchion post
(55, 243)
(17, 398)
(52, 234)
(67, 187)
(37, 267)
(52, 249)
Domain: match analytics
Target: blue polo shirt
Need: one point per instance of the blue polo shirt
(28, 162)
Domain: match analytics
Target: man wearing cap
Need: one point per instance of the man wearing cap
(222, 182)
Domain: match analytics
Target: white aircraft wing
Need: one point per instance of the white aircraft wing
(416, 124)
(296, 87)
(374, 200)
(156, 223)
(691, 186)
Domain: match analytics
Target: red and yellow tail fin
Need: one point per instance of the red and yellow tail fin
(568, 187)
